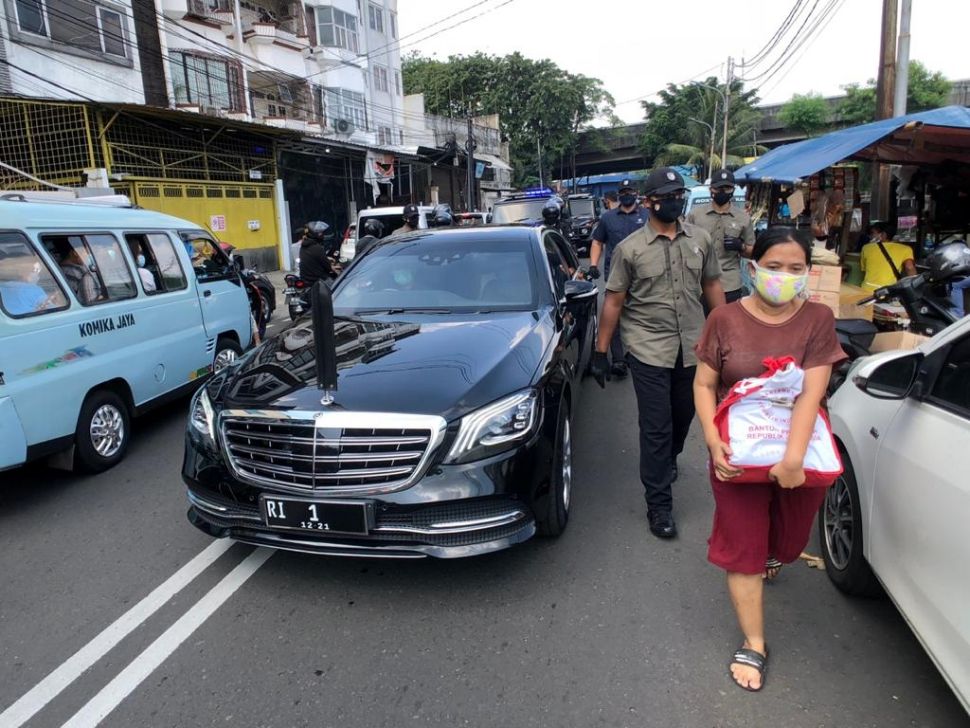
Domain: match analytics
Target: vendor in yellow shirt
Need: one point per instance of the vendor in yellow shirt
(875, 267)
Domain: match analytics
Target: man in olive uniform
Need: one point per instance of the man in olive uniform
(657, 277)
(412, 220)
(730, 229)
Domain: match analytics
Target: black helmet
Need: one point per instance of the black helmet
(317, 230)
(551, 213)
(374, 227)
(948, 262)
(441, 216)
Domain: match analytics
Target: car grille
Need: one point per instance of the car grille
(303, 455)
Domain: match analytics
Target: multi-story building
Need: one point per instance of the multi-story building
(70, 49)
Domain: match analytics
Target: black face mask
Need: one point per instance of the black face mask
(669, 209)
(628, 200)
(722, 198)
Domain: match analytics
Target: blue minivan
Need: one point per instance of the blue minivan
(105, 312)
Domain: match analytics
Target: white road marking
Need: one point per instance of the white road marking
(96, 709)
(51, 686)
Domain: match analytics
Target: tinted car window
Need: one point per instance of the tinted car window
(952, 386)
(27, 286)
(93, 265)
(503, 213)
(453, 273)
(558, 266)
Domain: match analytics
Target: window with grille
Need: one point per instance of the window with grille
(337, 29)
(376, 17)
(206, 81)
(380, 78)
(81, 24)
(342, 103)
(384, 135)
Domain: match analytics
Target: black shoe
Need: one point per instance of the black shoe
(662, 524)
(619, 369)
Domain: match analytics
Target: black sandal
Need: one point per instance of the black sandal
(750, 658)
(772, 568)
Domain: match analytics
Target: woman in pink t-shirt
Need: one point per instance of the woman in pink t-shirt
(759, 526)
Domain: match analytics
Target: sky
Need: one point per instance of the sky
(638, 46)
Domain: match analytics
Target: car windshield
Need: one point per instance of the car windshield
(581, 207)
(507, 212)
(441, 274)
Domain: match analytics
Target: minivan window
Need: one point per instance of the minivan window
(27, 286)
(93, 265)
(208, 260)
(158, 266)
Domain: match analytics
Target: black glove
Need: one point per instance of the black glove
(734, 244)
(599, 367)
(593, 273)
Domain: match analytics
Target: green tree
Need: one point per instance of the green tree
(537, 102)
(682, 125)
(808, 114)
(927, 90)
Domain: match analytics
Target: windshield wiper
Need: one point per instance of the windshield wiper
(389, 311)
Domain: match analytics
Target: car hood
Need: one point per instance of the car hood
(422, 364)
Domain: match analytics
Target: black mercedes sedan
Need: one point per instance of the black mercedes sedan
(459, 355)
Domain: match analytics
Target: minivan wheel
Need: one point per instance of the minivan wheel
(227, 351)
(553, 521)
(840, 534)
(103, 431)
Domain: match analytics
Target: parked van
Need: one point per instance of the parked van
(105, 312)
(701, 195)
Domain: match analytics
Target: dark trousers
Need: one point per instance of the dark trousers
(665, 401)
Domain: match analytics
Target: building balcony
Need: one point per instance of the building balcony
(259, 33)
(328, 57)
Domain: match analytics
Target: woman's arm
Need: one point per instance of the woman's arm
(705, 402)
(790, 472)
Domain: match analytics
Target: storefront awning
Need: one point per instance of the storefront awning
(924, 138)
(494, 161)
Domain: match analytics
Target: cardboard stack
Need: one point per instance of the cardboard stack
(824, 283)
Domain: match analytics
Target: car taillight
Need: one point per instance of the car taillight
(300, 283)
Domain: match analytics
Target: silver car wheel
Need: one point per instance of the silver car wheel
(837, 522)
(107, 430)
(224, 357)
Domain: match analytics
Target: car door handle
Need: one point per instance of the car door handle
(207, 293)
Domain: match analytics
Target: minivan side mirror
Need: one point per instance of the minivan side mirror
(890, 379)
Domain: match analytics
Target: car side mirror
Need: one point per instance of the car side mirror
(894, 378)
(577, 290)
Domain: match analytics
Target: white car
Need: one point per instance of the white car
(899, 516)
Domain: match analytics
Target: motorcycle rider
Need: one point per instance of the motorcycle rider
(373, 232)
(412, 220)
(315, 264)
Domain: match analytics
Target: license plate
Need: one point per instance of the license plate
(316, 515)
(290, 292)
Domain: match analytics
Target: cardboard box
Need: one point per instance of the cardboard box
(851, 294)
(890, 340)
(854, 311)
(825, 278)
(826, 298)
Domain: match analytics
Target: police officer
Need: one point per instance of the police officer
(657, 277)
(730, 229)
(314, 263)
(614, 226)
(412, 218)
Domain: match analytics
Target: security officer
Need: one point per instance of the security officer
(315, 264)
(373, 232)
(730, 229)
(654, 293)
(412, 219)
(614, 226)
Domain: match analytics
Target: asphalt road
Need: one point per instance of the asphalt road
(101, 619)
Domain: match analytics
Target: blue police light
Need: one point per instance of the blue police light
(536, 192)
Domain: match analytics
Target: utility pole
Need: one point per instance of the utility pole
(885, 84)
(727, 110)
(470, 158)
(902, 59)
(539, 151)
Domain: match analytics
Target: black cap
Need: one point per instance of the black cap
(627, 184)
(663, 181)
(722, 178)
(411, 210)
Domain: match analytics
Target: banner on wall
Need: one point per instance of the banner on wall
(379, 169)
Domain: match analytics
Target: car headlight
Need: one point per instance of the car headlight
(496, 427)
(202, 417)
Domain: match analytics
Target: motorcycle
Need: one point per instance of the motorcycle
(928, 311)
(297, 296)
(259, 290)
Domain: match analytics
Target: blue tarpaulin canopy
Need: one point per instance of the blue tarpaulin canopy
(927, 137)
